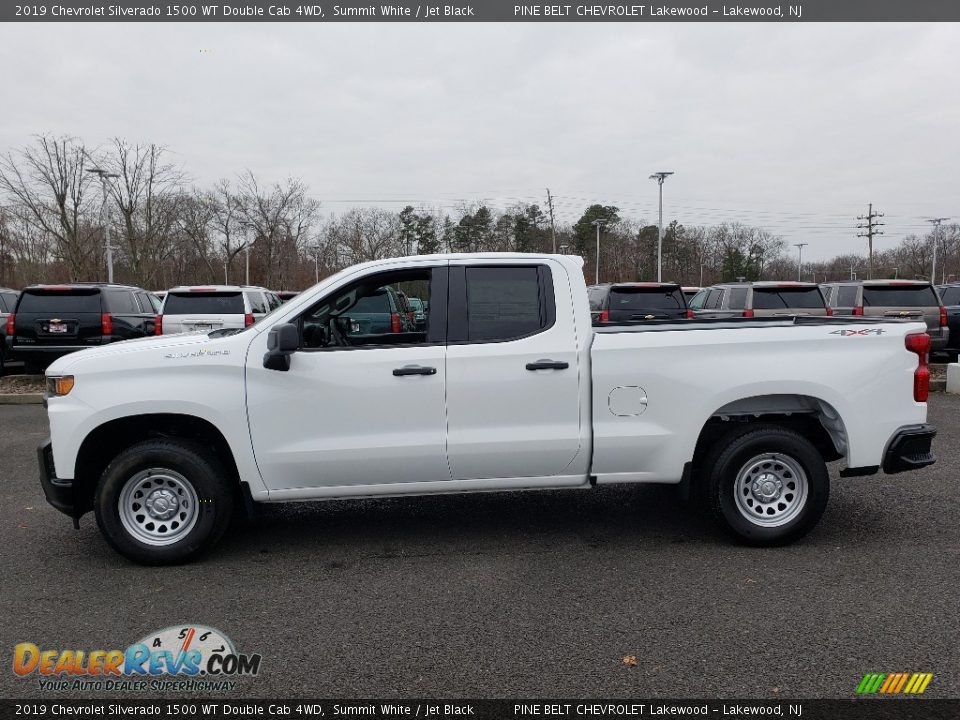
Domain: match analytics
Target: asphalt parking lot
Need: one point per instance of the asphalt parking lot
(523, 594)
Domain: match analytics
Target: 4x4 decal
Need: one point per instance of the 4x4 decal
(865, 331)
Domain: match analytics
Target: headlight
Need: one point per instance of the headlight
(59, 386)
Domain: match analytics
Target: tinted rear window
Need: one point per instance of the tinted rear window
(59, 302)
(780, 298)
(899, 296)
(643, 298)
(204, 303)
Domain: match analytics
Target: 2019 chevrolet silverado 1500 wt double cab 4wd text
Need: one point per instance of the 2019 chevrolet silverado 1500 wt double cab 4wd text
(505, 386)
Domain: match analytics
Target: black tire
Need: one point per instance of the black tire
(766, 465)
(31, 367)
(193, 469)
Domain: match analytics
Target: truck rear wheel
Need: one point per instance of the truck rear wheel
(161, 502)
(766, 484)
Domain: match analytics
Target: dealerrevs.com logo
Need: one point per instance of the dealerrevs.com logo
(180, 658)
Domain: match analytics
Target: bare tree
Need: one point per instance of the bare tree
(146, 192)
(49, 184)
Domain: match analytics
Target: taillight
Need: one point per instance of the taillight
(829, 312)
(858, 311)
(919, 343)
(689, 314)
(158, 325)
(748, 313)
(11, 321)
(248, 320)
(604, 316)
(394, 322)
(106, 324)
(943, 316)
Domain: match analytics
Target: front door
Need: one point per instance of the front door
(363, 401)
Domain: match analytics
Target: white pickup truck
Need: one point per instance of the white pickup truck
(503, 385)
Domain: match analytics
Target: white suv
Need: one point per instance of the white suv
(213, 307)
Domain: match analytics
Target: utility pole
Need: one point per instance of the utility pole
(553, 229)
(660, 177)
(871, 230)
(799, 247)
(936, 236)
(104, 176)
(598, 223)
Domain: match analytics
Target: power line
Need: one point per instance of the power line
(870, 217)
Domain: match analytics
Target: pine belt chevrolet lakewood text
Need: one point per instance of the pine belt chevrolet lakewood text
(503, 385)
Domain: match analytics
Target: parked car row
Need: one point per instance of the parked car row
(618, 303)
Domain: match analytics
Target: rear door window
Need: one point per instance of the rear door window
(846, 296)
(148, 302)
(714, 299)
(738, 298)
(899, 296)
(778, 298)
(8, 301)
(60, 302)
(258, 302)
(204, 303)
(644, 298)
(122, 302)
(503, 303)
(950, 296)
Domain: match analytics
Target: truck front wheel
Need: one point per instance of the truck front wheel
(161, 502)
(767, 484)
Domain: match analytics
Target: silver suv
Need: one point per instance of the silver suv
(892, 299)
(213, 307)
(759, 299)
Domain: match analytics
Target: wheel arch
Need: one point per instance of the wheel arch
(107, 440)
(812, 417)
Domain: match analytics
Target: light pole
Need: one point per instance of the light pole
(598, 223)
(799, 247)
(660, 177)
(104, 176)
(316, 262)
(936, 236)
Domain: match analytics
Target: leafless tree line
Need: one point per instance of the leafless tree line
(166, 231)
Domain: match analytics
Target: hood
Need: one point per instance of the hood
(183, 342)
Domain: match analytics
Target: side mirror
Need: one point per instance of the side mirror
(282, 341)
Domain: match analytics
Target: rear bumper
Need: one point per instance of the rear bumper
(909, 449)
(59, 493)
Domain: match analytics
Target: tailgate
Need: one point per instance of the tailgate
(59, 317)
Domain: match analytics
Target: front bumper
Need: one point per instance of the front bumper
(909, 449)
(59, 493)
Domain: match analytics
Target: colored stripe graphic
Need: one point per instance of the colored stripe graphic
(894, 683)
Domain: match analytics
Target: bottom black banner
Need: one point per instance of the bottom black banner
(893, 708)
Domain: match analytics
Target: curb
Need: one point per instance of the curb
(21, 398)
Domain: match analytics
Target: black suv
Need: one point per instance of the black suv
(637, 302)
(51, 321)
(950, 296)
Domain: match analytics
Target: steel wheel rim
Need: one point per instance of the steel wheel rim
(771, 489)
(158, 506)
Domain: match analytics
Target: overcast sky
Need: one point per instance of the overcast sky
(791, 127)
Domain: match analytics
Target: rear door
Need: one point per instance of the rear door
(127, 317)
(53, 316)
(202, 310)
(513, 381)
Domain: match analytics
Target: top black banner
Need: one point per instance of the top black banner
(480, 11)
